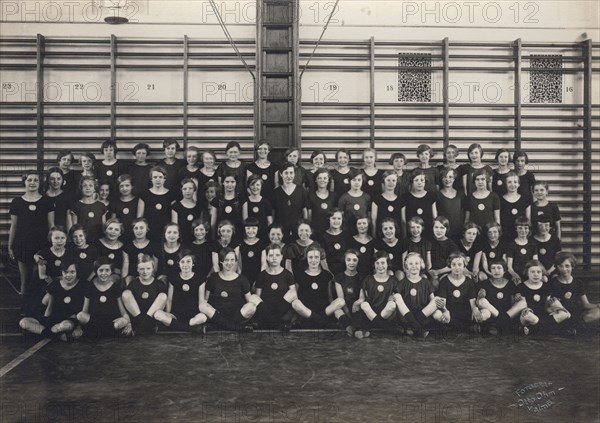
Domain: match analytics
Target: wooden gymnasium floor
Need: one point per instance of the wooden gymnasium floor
(299, 377)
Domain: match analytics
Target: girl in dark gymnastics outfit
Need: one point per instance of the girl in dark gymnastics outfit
(84, 254)
(62, 199)
(289, 202)
(355, 203)
(31, 216)
(228, 205)
(169, 254)
(225, 298)
(388, 204)
(418, 202)
(144, 296)
(321, 201)
(372, 176)
(103, 314)
(512, 206)
(182, 310)
(139, 246)
(457, 294)
(571, 293)
(335, 241)
(341, 182)
(233, 166)
(110, 168)
(495, 300)
(264, 169)
(186, 210)
(124, 207)
(347, 286)
(88, 211)
(155, 203)
(275, 286)
(65, 299)
(112, 247)
(258, 206)
(364, 244)
(314, 287)
(416, 301)
(376, 302)
(392, 246)
(171, 164)
(140, 169)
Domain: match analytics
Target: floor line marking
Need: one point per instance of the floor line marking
(24, 356)
(10, 283)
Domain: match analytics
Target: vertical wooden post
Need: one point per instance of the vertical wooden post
(113, 87)
(445, 81)
(185, 89)
(40, 53)
(258, 130)
(587, 154)
(297, 83)
(518, 66)
(372, 92)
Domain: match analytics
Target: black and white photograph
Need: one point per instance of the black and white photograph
(299, 211)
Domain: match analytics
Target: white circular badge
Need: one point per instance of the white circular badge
(91, 215)
(523, 251)
(111, 256)
(314, 286)
(419, 211)
(228, 209)
(170, 262)
(125, 210)
(413, 292)
(158, 206)
(543, 251)
(514, 212)
(224, 294)
(390, 208)
(363, 249)
(568, 295)
(499, 295)
(371, 182)
(481, 206)
(357, 207)
(67, 300)
(102, 299)
(324, 206)
(57, 263)
(250, 254)
(274, 286)
(346, 181)
(82, 255)
(145, 295)
(109, 172)
(536, 298)
(456, 293)
(380, 288)
(337, 246)
(492, 254)
(264, 177)
(255, 209)
(32, 207)
(185, 287)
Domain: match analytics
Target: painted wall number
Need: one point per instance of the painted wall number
(150, 87)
